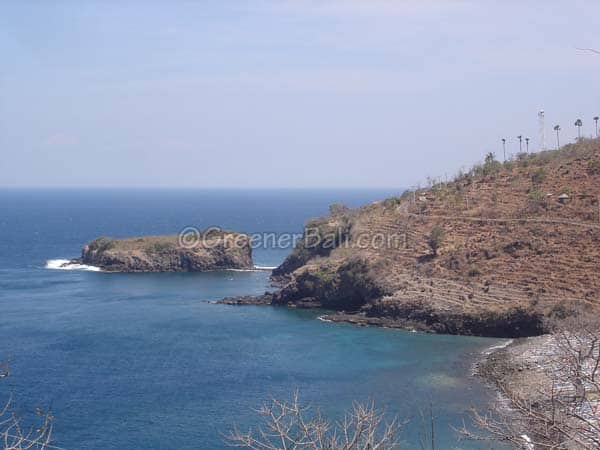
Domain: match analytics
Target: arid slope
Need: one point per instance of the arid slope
(511, 252)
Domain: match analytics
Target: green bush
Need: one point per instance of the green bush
(102, 244)
(491, 165)
(538, 176)
(594, 166)
(406, 195)
(474, 272)
(323, 275)
(435, 239)
(337, 209)
(159, 247)
(537, 198)
(391, 202)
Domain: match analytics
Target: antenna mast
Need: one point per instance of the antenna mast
(542, 130)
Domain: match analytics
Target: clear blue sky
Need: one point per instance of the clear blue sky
(330, 93)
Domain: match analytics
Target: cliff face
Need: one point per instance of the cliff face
(495, 252)
(217, 251)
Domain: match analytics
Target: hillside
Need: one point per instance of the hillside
(496, 251)
(201, 252)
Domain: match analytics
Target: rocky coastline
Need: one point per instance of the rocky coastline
(496, 252)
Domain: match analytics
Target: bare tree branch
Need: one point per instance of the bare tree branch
(292, 426)
(564, 413)
(12, 434)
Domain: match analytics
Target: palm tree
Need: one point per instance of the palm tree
(578, 124)
(520, 143)
(527, 142)
(596, 120)
(504, 148)
(557, 129)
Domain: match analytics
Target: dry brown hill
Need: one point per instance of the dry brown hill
(496, 251)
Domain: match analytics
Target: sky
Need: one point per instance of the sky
(283, 93)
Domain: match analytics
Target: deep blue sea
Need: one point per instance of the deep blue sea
(145, 361)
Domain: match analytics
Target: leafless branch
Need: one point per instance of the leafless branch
(564, 413)
(290, 425)
(12, 434)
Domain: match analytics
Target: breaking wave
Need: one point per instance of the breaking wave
(254, 269)
(65, 264)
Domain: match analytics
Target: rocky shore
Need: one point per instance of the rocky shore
(549, 393)
(519, 366)
(215, 250)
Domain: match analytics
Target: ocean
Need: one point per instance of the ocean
(147, 361)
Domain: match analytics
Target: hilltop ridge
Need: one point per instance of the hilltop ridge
(497, 251)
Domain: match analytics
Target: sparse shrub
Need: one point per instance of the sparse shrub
(435, 239)
(474, 271)
(159, 247)
(391, 202)
(477, 170)
(509, 165)
(538, 176)
(338, 209)
(537, 198)
(468, 177)
(542, 158)
(406, 195)
(536, 195)
(494, 196)
(594, 166)
(523, 159)
(323, 275)
(102, 244)
(567, 190)
(491, 165)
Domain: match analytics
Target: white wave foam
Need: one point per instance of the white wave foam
(324, 319)
(254, 269)
(493, 348)
(65, 264)
(265, 267)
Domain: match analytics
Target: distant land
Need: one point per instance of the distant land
(214, 250)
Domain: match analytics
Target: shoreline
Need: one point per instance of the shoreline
(506, 327)
(74, 264)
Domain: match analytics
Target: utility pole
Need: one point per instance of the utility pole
(504, 148)
(557, 129)
(520, 143)
(596, 120)
(527, 142)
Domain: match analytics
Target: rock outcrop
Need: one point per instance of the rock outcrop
(214, 250)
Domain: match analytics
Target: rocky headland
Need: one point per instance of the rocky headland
(500, 251)
(211, 250)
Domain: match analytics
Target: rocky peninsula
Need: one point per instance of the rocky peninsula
(499, 251)
(205, 251)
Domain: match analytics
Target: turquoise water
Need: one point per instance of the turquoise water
(146, 361)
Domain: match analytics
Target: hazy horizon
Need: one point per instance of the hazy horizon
(338, 94)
